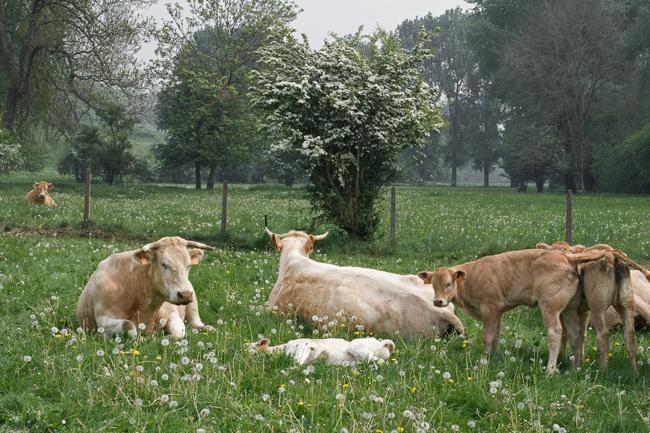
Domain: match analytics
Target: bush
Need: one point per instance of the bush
(625, 167)
(10, 153)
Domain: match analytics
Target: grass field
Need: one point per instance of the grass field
(53, 379)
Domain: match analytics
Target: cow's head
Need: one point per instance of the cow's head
(294, 241)
(169, 261)
(42, 187)
(445, 283)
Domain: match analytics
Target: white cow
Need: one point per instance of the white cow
(328, 295)
(334, 351)
(139, 287)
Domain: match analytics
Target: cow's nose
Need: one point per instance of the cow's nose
(185, 296)
(438, 303)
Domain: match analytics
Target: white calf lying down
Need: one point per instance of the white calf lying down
(334, 351)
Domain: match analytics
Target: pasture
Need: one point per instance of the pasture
(53, 379)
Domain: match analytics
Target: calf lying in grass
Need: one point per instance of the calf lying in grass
(39, 194)
(334, 351)
(488, 287)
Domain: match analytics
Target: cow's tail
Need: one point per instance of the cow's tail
(620, 255)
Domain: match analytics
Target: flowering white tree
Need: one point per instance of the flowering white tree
(349, 109)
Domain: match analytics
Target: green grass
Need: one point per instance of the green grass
(67, 387)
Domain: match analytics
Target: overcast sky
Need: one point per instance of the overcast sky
(321, 17)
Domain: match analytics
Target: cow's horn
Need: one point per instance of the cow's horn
(150, 246)
(320, 237)
(199, 245)
(268, 232)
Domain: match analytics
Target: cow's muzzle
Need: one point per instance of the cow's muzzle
(184, 297)
(439, 303)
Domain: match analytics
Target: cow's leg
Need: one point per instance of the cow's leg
(174, 324)
(573, 329)
(193, 318)
(553, 325)
(113, 326)
(491, 328)
(627, 314)
(602, 336)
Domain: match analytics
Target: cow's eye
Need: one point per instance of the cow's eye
(165, 265)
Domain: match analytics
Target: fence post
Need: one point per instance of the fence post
(393, 216)
(87, 197)
(224, 209)
(568, 235)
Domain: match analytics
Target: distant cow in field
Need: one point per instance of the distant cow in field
(39, 194)
(140, 286)
(330, 296)
(488, 287)
(334, 351)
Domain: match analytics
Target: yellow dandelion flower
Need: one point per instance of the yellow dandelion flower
(415, 388)
(135, 352)
(400, 429)
(58, 336)
(393, 360)
(301, 403)
(346, 385)
(378, 430)
(609, 354)
(470, 378)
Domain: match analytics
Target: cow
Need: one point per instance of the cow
(39, 194)
(328, 296)
(146, 288)
(334, 351)
(640, 278)
(606, 282)
(488, 287)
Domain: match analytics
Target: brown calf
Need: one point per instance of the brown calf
(39, 195)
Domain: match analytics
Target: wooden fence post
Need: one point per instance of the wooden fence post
(568, 235)
(87, 197)
(393, 217)
(224, 208)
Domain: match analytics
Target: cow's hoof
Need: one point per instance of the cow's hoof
(207, 328)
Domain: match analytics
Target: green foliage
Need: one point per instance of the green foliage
(625, 167)
(10, 153)
(349, 109)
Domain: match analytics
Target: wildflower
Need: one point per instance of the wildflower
(446, 375)
(380, 378)
(115, 351)
(80, 358)
(493, 390)
(185, 360)
(142, 326)
(471, 423)
(282, 389)
(137, 402)
(173, 404)
(100, 352)
(259, 417)
(165, 377)
(27, 358)
(344, 430)
(204, 412)
(339, 396)
(139, 368)
(153, 383)
(265, 397)
(407, 414)
(556, 428)
(164, 398)
(455, 428)
(483, 361)
(200, 430)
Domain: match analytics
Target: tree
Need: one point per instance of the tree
(531, 152)
(206, 59)
(349, 108)
(66, 51)
(554, 59)
(451, 69)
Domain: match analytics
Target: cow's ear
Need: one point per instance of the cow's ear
(388, 344)
(263, 345)
(35, 186)
(50, 186)
(277, 242)
(459, 276)
(144, 257)
(196, 255)
(426, 277)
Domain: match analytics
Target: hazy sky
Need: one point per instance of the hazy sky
(320, 17)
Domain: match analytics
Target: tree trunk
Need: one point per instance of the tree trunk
(486, 175)
(539, 183)
(11, 108)
(211, 175)
(453, 171)
(197, 175)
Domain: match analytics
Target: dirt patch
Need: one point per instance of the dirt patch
(72, 232)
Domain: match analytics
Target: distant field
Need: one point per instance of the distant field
(55, 380)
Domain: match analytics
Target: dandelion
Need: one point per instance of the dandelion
(204, 412)
(173, 404)
(164, 342)
(556, 428)
(265, 397)
(164, 398)
(471, 423)
(483, 361)
(455, 428)
(344, 430)
(115, 351)
(165, 377)
(521, 405)
(138, 402)
(407, 414)
(99, 330)
(339, 396)
(282, 389)
(380, 378)
(200, 430)
(518, 344)
(139, 368)
(446, 375)
(185, 360)
(493, 390)
(142, 326)
(153, 383)
(80, 358)
(99, 352)
(27, 358)
(259, 417)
